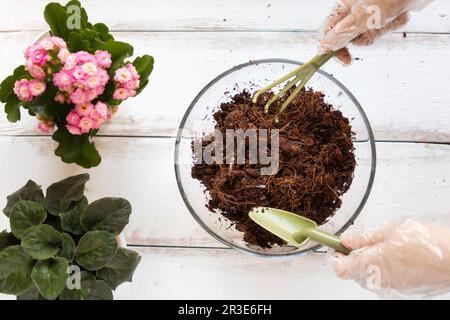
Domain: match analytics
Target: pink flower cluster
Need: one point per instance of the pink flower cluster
(26, 90)
(128, 81)
(43, 56)
(86, 117)
(45, 125)
(83, 77)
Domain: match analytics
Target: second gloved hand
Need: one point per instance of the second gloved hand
(361, 22)
(410, 257)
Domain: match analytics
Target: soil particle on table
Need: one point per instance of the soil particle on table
(316, 163)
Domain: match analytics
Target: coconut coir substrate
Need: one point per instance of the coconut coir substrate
(316, 163)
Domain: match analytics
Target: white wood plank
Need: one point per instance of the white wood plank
(215, 15)
(204, 274)
(227, 274)
(401, 83)
(412, 179)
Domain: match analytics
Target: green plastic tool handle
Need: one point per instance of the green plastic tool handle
(329, 240)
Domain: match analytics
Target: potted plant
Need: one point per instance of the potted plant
(62, 247)
(73, 81)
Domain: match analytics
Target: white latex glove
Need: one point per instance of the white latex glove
(399, 259)
(361, 22)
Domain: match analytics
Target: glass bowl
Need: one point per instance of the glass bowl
(253, 75)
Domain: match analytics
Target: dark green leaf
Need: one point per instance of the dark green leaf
(68, 247)
(62, 194)
(31, 191)
(78, 42)
(96, 249)
(118, 50)
(7, 239)
(108, 214)
(55, 222)
(144, 66)
(41, 242)
(76, 149)
(32, 293)
(6, 87)
(70, 220)
(121, 268)
(12, 108)
(15, 270)
(26, 214)
(57, 17)
(90, 289)
(96, 290)
(103, 30)
(50, 277)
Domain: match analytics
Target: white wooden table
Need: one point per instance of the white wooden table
(402, 83)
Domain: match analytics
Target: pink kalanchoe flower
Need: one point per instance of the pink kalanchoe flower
(121, 94)
(59, 42)
(84, 110)
(86, 124)
(135, 75)
(36, 54)
(79, 97)
(90, 68)
(102, 109)
(22, 90)
(73, 118)
(46, 127)
(93, 82)
(63, 80)
(123, 75)
(74, 130)
(103, 58)
(35, 71)
(83, 57)
(79, 74)
(60, 98)
(63, 55)
(37, 87)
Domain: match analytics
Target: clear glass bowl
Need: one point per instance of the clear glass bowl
(254, 75)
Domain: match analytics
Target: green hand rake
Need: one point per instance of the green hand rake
(300, 76)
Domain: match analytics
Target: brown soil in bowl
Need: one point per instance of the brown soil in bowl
(316, 163)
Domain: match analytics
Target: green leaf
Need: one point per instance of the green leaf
(15, 270)
(26, 214)
(57, 17)
(73, 293)
(62, 194)
(70, 220)
(108, 214)
(78, 42)
(32, 293)
(121, 268)
(31, 191)
(118, 50)
(12, 108)
(7, 239)
(41, 242)
(7, 86)
(144, 66)
(96, 249)
(76, 149)
(96, 290)
(103, 30)
(68, 247)
(50, 277)
(55, 222)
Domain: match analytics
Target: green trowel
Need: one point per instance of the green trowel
(294, 229)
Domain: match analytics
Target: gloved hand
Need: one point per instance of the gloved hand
(361, 22)
(408, 258)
